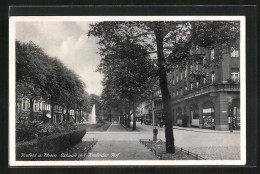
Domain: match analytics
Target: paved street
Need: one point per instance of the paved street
(212, 145)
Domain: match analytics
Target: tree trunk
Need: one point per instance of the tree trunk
(31, 110)
(68, 114)
(134, 121)
(80, 115)
(63, 114)
(110, 115)
(165, 93)
(76, 114)
(129, 116)
(52, 112)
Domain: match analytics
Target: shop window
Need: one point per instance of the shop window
(208, 116)
(194, 115)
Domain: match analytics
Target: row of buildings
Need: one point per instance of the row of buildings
(42, 111)
(209, 102)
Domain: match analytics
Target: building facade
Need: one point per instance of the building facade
(41, 110)
(209, 102)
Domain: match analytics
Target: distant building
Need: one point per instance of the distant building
(211, 102)
(143, 111)
(41, 109)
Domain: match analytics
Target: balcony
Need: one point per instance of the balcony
(211, 88)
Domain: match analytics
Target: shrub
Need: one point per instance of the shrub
(26, 131)
(76, 136)
(53, 144)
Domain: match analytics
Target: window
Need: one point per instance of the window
(197, 84)
(204, 60)
(173, 82)
(204, 80)
(197, 66)
(181, 75)
(234, 53)
(39, 106)
(35, 107)
(191, 68)
(186, 88)
(181, 91)
(177, 80)
(185, 72)
(213, 78)
(212, 54)
(177, 92)
(23, 106)
(191, 85)
(235, 76)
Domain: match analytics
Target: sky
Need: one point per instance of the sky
(68, 41)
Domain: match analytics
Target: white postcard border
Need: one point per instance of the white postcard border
(14, 19)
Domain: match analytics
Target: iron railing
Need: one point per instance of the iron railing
(160, 142)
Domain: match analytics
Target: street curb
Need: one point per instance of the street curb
(205, 131)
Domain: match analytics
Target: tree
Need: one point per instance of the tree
(30, 72)
(40, 76)
(171, 41)
(127, 78)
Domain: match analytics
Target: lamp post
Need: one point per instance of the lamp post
(152, 108)
(230, 113)
(155, 131)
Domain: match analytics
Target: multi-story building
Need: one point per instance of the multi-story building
(158, 107)
(211, 101)
(41, 110)
(143, 111)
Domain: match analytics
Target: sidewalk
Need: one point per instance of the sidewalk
(204, 130)
(118, 144)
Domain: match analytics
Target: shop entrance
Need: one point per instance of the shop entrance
(208, 116)
(235, 115)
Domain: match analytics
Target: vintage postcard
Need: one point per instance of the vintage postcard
(127, 90)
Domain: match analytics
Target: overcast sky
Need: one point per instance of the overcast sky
(68, 41)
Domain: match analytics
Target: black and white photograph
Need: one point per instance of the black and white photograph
(127, 90)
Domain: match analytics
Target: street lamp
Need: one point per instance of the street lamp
(155, 131)
(230, 114)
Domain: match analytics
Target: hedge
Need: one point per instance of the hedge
(54, 144)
